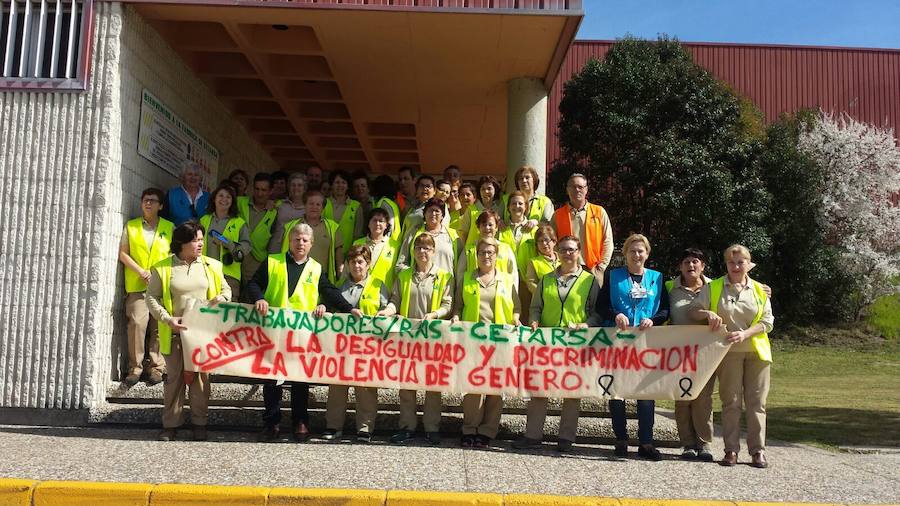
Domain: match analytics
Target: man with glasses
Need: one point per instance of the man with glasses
(426, 189)
(145, 241)
(566, 297)
(589, 223)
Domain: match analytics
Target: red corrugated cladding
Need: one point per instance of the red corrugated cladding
(864, 83)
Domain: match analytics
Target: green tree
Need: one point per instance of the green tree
(803, 267)
(668, 150)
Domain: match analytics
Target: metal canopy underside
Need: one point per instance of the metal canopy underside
(369, 87)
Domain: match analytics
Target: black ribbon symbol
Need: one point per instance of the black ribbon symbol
(686, 390)
(605, 382)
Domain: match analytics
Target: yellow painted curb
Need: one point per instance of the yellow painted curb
(779, 504)
(556, 500)
(16, 492)
(411, 498)
(326, 497)
(88, 493)
(178, 495)
(674, 502)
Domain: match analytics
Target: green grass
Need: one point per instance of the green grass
(884, 315)
(833, 395)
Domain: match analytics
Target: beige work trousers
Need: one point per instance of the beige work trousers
(431, 411)
(694, 418)
(174, 387)
(481, 414)
(537, 415)
(366, 407)
(743, 377)
(138, 320)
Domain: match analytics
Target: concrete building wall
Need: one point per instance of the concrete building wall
(71, 177)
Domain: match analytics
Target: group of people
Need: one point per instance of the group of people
(429, 248)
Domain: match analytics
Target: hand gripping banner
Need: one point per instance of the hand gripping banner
(666, 362)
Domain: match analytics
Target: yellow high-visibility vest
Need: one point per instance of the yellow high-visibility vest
(232, 232)
(383, 266)
(214, 274)
(330, 227)
(557, 313)
(262, 232)
(347, 224)
(440, 284)
(305, 296)
(760, 341)
(142, 255)
(503, 304)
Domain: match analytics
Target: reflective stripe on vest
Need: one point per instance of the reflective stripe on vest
(232, 232)
(760, 341)
(383, 266)
(144, 257)
(305, 296)
(592, 245)
(330, 227)
(503, 304)
(347, 223)
(559, 313)
(262, 232)
(214, 274)
(405, 279)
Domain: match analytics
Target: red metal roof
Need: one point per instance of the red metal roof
(865, 83)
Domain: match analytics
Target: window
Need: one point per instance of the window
(45, 44)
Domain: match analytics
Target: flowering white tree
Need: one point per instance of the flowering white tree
(860, 214)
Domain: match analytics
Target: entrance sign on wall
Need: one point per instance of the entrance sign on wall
(169, 142)
(666, 362)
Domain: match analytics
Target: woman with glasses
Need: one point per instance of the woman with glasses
(489, 227)
(488, 295)
(422, 292)
(565, 297)
(544, 261)
(446, 240)
(634, 297)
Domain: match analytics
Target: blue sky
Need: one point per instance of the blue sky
(857, 23)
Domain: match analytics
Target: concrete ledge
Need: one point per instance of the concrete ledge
(17, 492)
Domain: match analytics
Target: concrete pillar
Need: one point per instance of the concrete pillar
(526, 128)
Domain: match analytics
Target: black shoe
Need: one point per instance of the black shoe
(649, 452)
(689, 453)
(704, 455)
(433, 438)
(621, 449)
(467, 441)
(200, 434)
(401, 436)
(363, 437)
(564, 446)
(269, 434)
(167, 435)
(132, 379)
(332, 435)
(526, 443)
(481, 441)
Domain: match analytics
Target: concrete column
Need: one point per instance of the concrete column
(526, 128)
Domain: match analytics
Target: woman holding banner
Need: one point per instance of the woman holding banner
(694, 418)
(183, 276)
(633, 296)
(741, 304)
(489, 295)
(368, 295)
(424, 292)
(566, 297)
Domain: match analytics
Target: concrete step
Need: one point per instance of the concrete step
(594, 430)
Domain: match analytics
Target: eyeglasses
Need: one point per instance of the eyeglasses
(486, 253)
(568, 251)
(424, 248)
(150, 200)
(579, 187)
(546, 240)
(426, 186)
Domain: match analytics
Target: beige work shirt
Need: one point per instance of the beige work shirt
(188, 282)
(285, 214)
(322, 247)
(488, 293)
(445, 250)
(680, 299)
(420, 290)
(738, 308)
